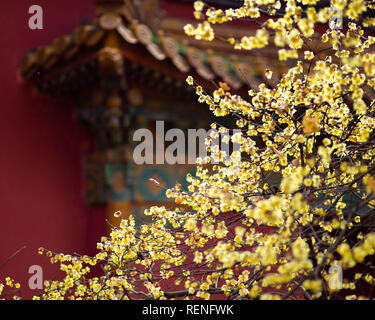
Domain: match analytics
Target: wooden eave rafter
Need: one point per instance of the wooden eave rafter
(158, 50)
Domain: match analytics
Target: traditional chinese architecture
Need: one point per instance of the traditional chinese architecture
(126, 69)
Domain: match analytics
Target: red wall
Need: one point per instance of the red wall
(41, 151)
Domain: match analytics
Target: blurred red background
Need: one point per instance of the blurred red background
(42, 147)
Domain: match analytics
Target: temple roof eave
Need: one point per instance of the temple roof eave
(175, 56)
